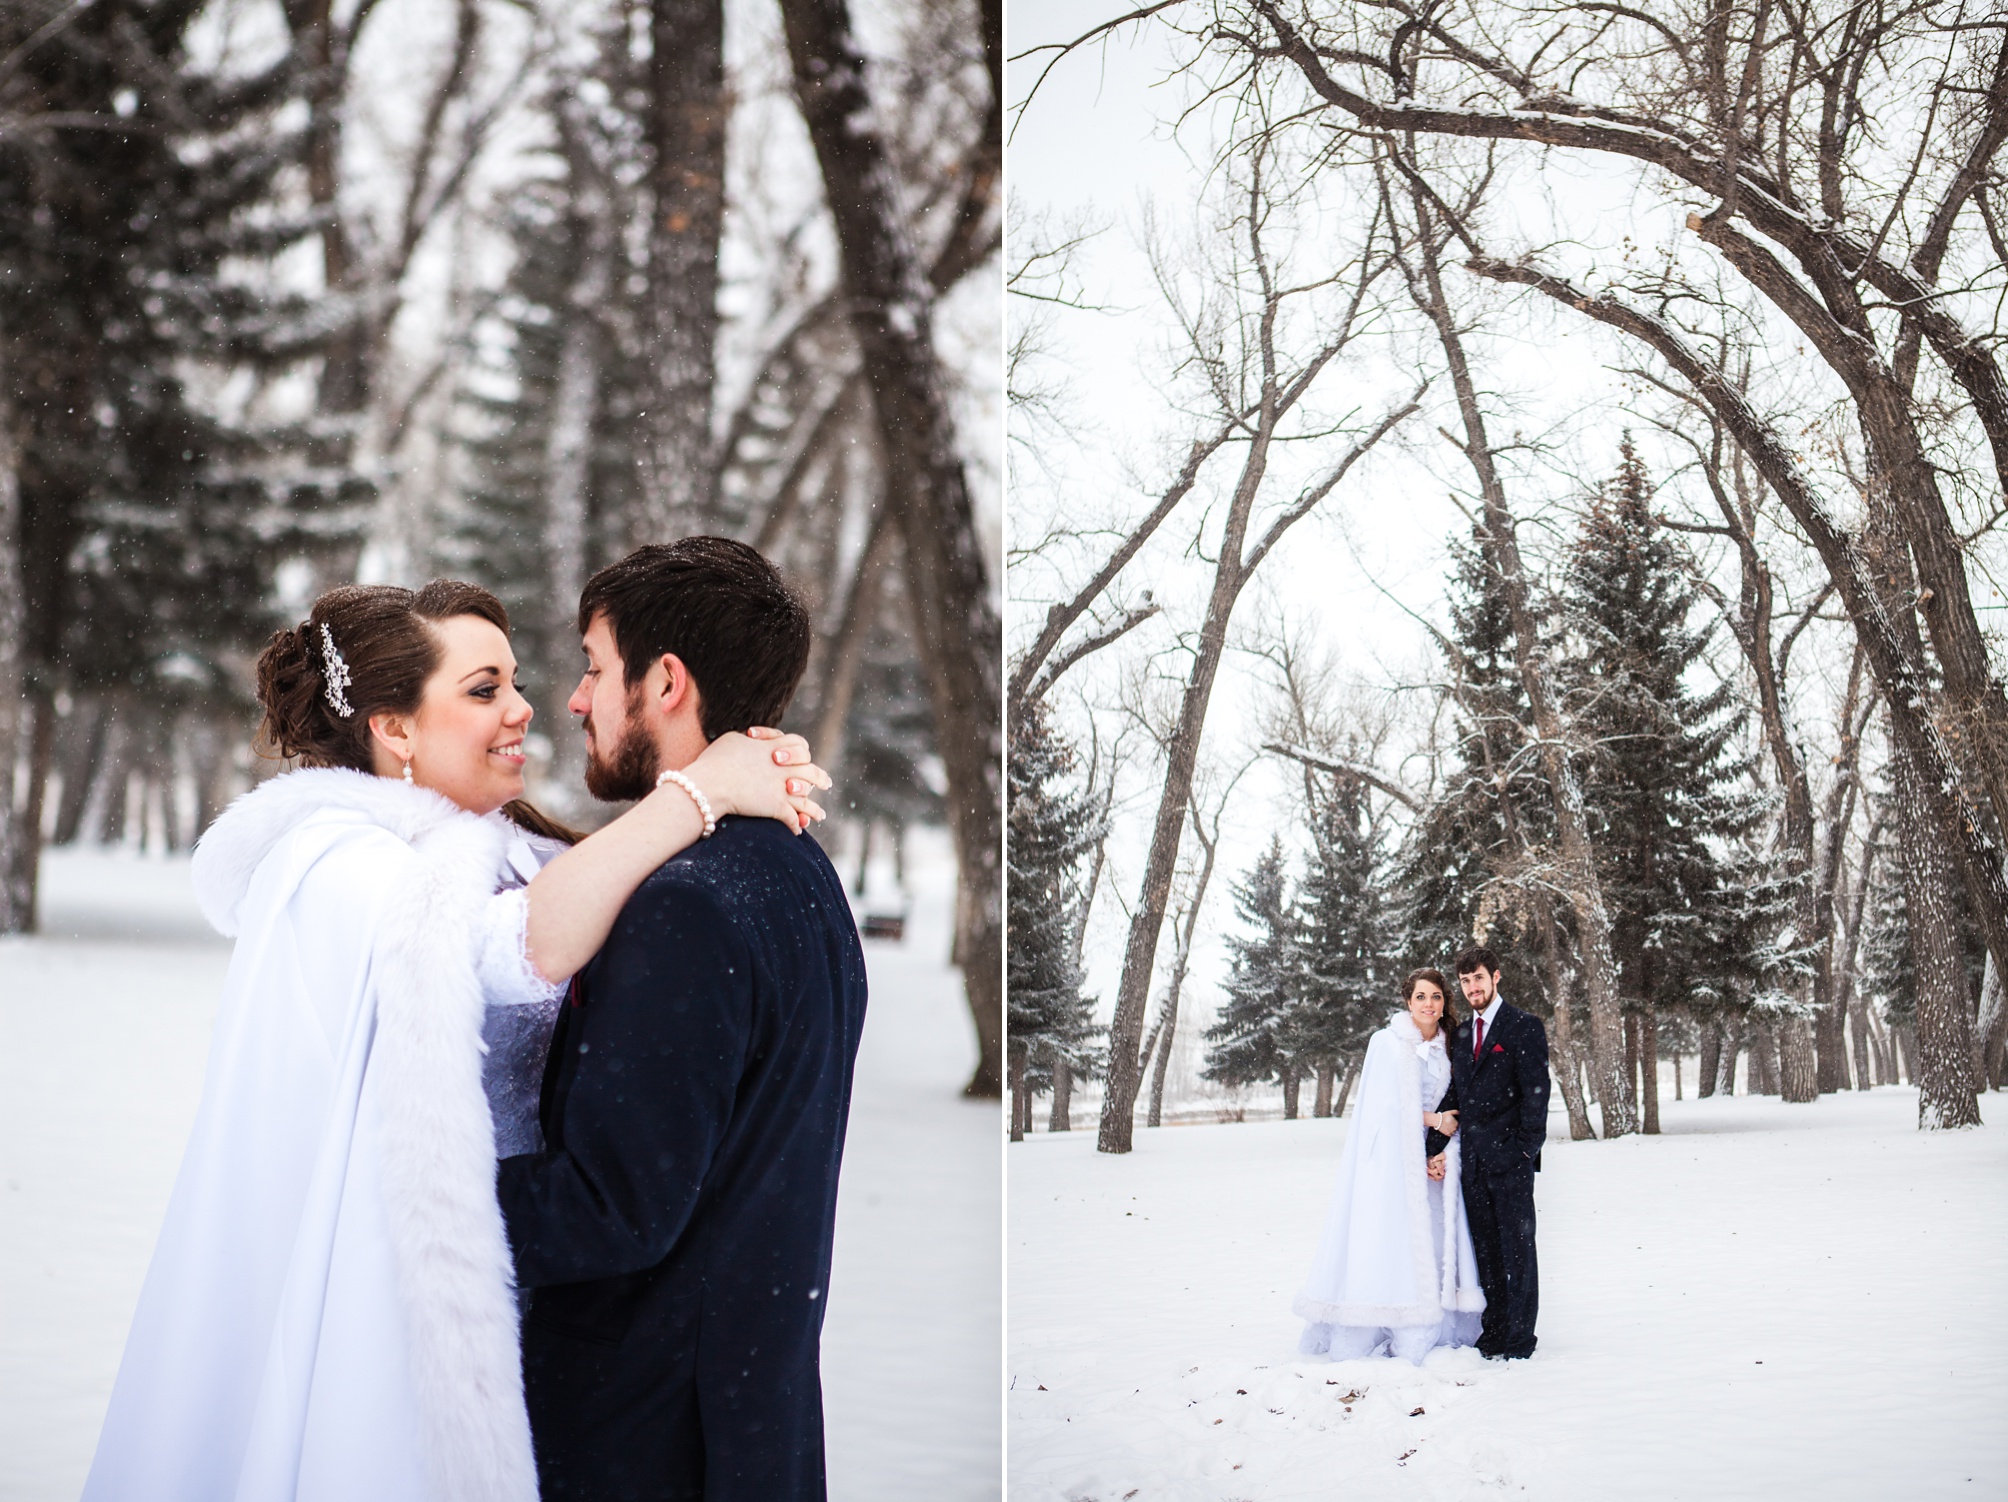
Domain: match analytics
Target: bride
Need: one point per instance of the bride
(330, 1314)
(1394, 1270)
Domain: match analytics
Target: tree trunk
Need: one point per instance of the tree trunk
(1990, 1033)
(1676, 1075)
(567, 458)
(1291, 1078)
(687, 112)
(1633, 1094)
(1346, 1084)
(1858, 1044)
(1021, 1105)
(1168, 1025)
(17, 893)
(1577, 865)
(1907, 1054)
(891, 312)
(844, 648)
(1764, 1059)
(1061, 1118)
(1568, 1072)
(1648, 1068)
(1733, 1039)
(1710, 1065)
(1321, 1107)
(1943, 1063)
(1798, 1067)
(1186, 924)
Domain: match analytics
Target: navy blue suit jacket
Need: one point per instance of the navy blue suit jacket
(1501, 1098)
(676, 1229)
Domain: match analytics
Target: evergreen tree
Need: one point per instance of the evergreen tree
(1459, 866)
(1052, 827)
(141, 202)
(1666, 787)
(1250, 1040)
(1346, 982)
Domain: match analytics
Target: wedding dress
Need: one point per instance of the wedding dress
(1394, 1270)
(330, 1311)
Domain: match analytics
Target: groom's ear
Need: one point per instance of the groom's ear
(678, 692)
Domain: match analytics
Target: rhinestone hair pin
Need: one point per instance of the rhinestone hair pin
(336, 671)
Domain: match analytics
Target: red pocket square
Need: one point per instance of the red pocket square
(1499, 1048)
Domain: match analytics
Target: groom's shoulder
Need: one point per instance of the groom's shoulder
(748, 864)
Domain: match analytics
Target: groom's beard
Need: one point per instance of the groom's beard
(627, 772)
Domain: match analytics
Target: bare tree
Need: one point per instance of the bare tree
(17, 887)
(890, 309)
(1209, 807)
(1771, 127)
(365, 252)
(1233, 338)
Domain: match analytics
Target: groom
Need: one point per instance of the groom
(676, 1229)
(1499, 1087)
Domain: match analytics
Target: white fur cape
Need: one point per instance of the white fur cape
(329, 1314)
(1376, 1265)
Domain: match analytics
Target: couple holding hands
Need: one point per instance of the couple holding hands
(1430, 1237)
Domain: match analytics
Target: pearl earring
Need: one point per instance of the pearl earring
(407, 772)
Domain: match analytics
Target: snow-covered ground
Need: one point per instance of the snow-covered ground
(104, 1025)
(1768, 1301)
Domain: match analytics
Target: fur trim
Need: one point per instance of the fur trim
(453, 1256)
(231, 850)
(455, 1273)
(1401, 1037)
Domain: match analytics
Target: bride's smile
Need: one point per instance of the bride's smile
(465, 739)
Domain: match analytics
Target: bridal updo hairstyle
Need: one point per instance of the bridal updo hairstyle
(721, 608)
(382, 633)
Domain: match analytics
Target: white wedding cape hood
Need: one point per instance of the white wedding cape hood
(329, 1314)
(1376, 1264)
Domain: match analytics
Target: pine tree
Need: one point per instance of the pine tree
(1345, 983)
(1250, 1039)
(141, 201)
(1461, 865)
(1052, 828)
(1666, 786)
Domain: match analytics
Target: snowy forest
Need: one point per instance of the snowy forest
(1554, 501)
(295, 292)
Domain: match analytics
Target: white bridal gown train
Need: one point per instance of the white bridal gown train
(1394, 1269)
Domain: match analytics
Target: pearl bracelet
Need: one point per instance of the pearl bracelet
(696, 796)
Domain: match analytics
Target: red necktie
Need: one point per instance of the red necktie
(1477, 1037)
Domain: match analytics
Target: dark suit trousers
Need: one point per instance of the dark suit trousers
(1500, 1209)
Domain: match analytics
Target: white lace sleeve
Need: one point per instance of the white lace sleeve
(503, 957)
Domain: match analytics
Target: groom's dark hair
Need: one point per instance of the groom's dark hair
(720, 607)
(1477, 957)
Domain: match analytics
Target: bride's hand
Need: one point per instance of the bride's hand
(1443, 1121)
(761, 774)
